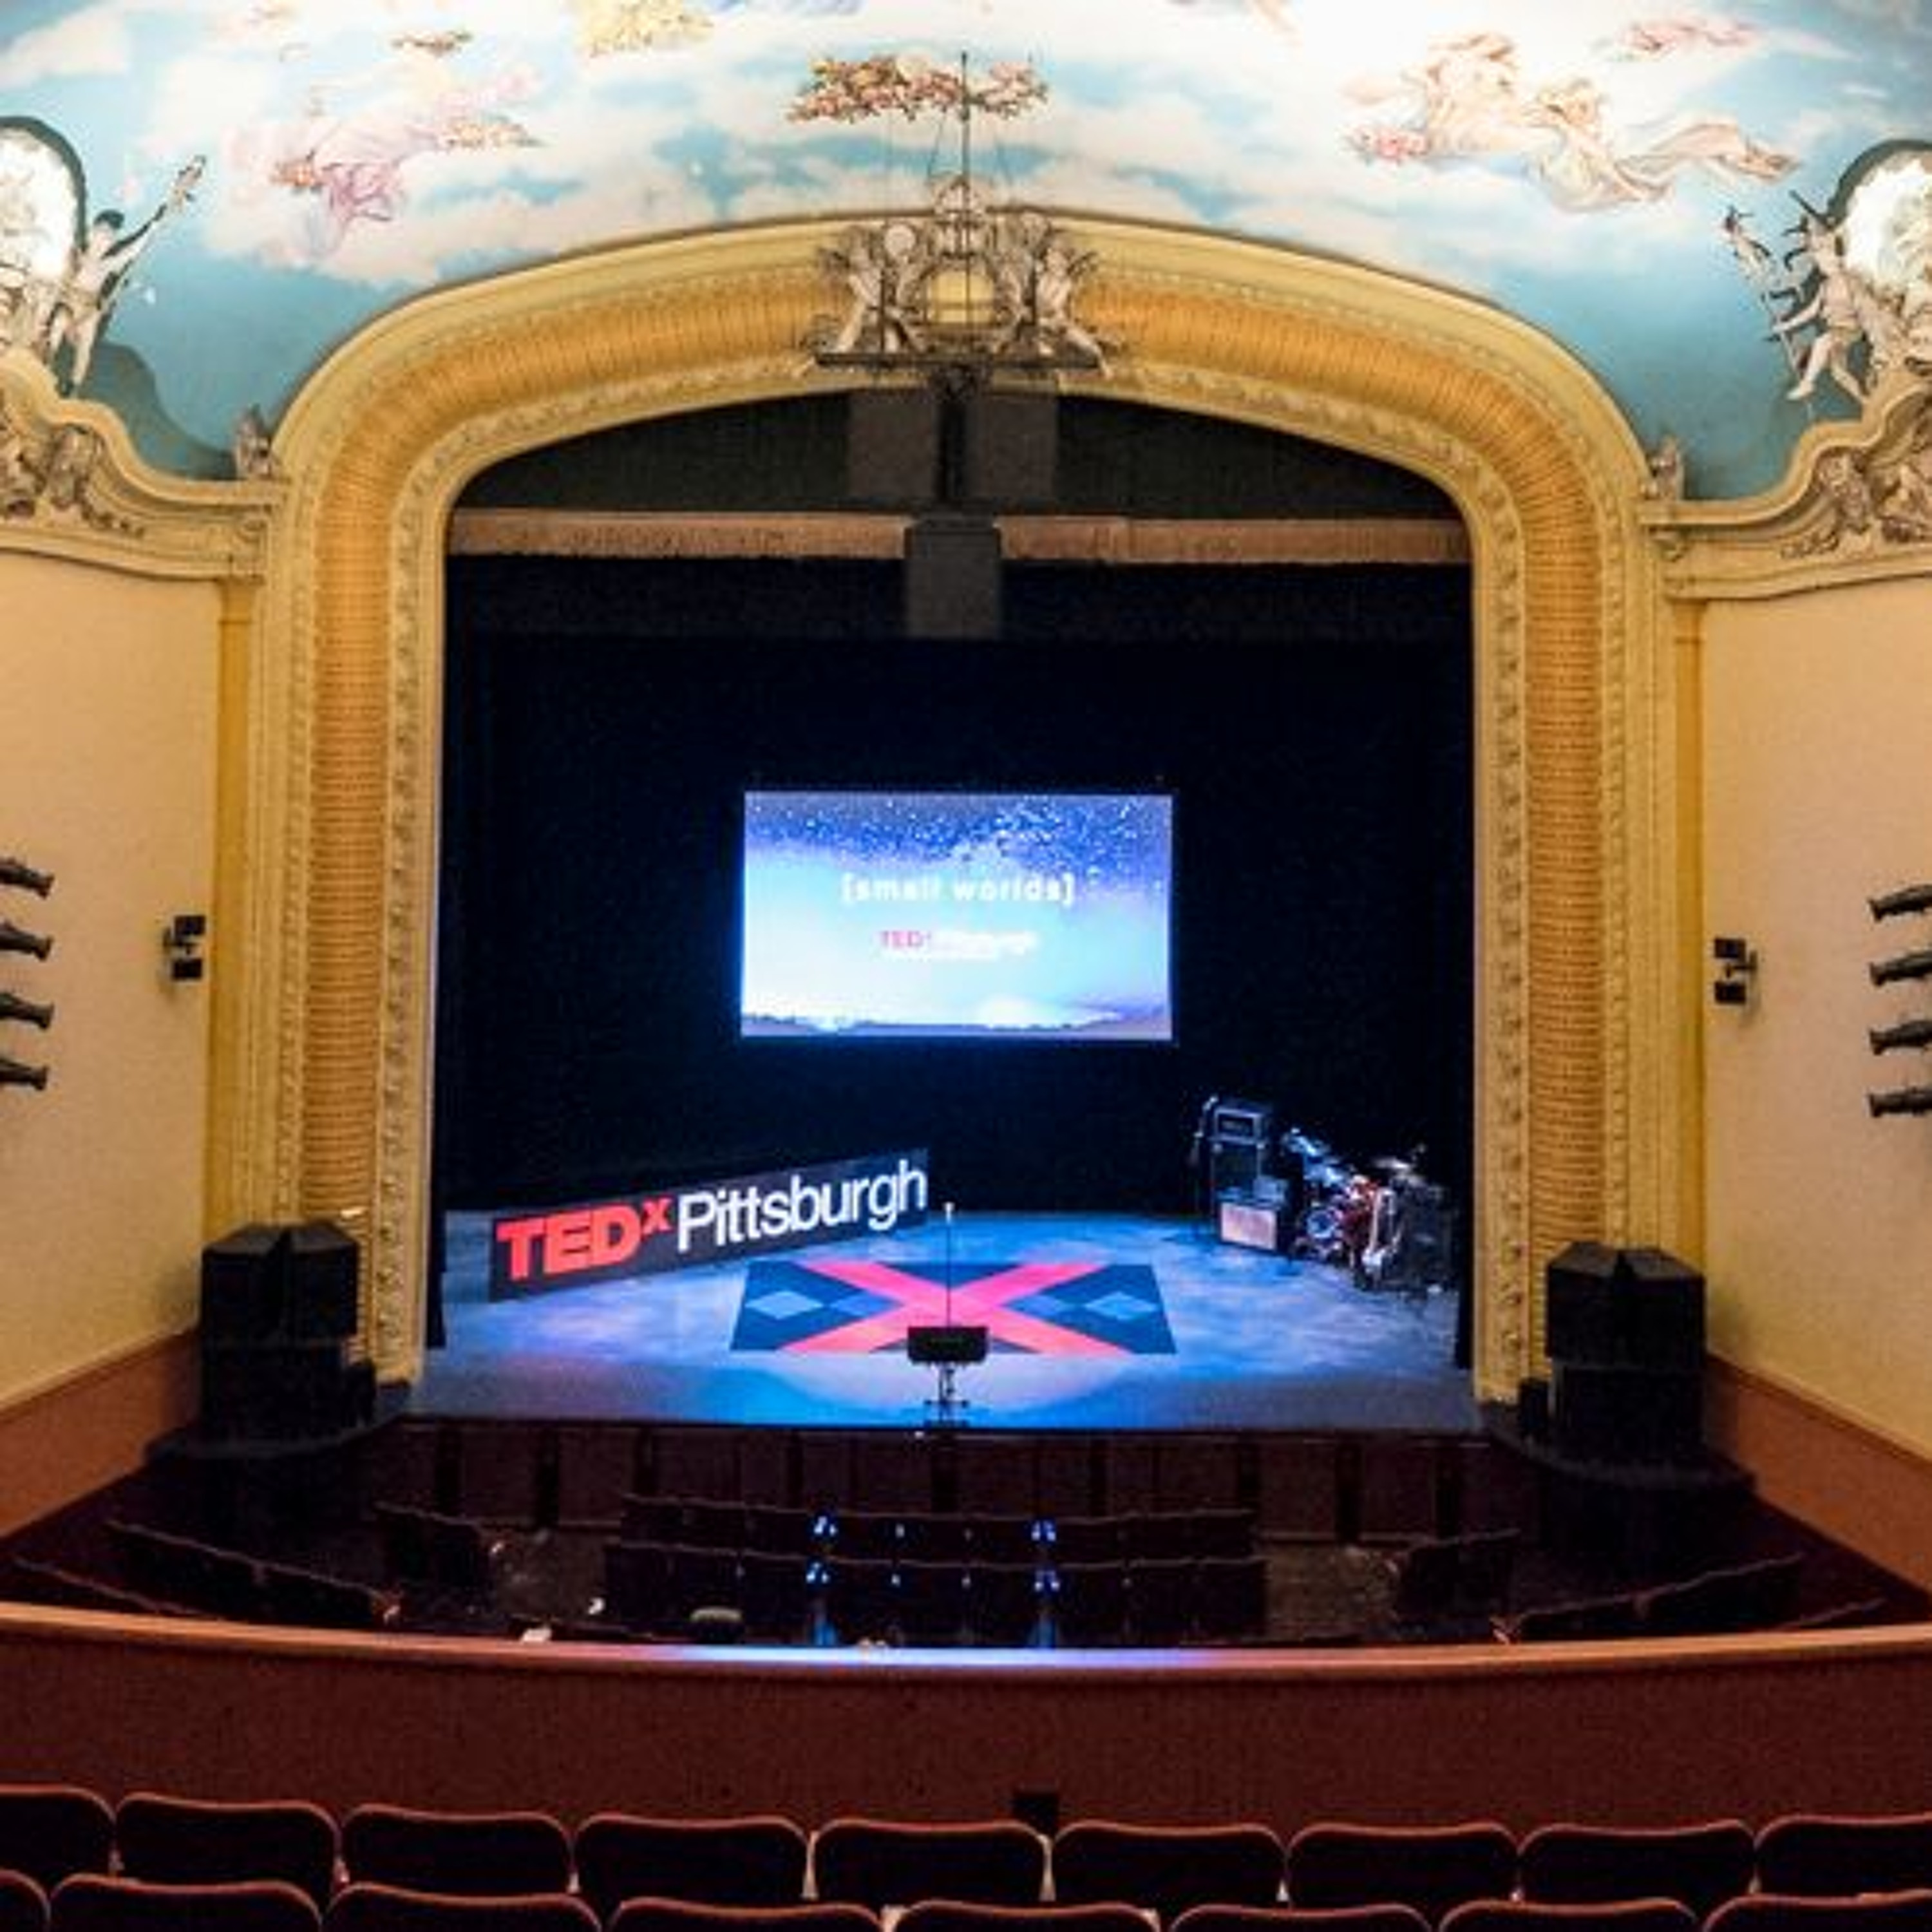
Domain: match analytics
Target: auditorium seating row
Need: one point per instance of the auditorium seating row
(172, 1575)
(1719, 1873)
(120, 1905)
(938, 1536)
(1317, 1487)
(1755, 1596)
(659, 1588)
(1438, 1578)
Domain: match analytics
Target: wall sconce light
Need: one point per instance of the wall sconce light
(1737, 970)
(183, 942)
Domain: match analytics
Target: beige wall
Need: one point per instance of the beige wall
(107, 779)
(1818, 792)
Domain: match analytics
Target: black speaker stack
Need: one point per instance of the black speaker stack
(279, 1307)
(1625, 1329)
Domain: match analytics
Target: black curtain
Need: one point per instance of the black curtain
(603, 720)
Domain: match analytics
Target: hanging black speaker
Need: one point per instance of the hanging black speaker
(953, 577)
(893, 447)
(1010, 449)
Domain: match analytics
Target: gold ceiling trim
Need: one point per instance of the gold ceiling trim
(1583, 1089)
(647, 534)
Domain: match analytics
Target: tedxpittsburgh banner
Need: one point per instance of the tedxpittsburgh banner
(605, 1241)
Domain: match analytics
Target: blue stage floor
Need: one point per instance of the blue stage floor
(1259, 1342)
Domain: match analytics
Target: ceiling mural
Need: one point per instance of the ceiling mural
(199, 198)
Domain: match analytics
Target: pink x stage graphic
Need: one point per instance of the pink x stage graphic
(866, 1307)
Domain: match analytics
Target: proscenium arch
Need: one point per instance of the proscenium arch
(1585, 1087)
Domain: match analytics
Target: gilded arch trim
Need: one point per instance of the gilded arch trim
(1584, 1081)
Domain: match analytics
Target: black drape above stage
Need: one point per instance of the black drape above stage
(605, 718)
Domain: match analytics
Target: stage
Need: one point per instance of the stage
(1095, 1321)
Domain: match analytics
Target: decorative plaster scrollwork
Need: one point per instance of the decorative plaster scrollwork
(50, 476)
(1856, 504)
(71, 485)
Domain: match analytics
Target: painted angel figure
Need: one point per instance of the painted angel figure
(348, 167)
(98, 271)
(1468, 102)
(1842, 313)
(606, 27)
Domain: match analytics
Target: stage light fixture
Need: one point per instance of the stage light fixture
(1903, 899)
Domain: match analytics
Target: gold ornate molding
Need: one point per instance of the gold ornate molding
(1122, 540)
(72, 485)
(1855, 506)
(1581, 1100)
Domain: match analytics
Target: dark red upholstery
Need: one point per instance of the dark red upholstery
(1814, 1853)
(748, 1860)
(874, 1862)
(50, 1831)
(1628, 1915)
(669, 1915)
(1781, 1911)
(954, 1915)
(90, 1903)
(1166, 1868)
(1299, 1918)
(385, 1908)
(1433, 1868)
(469, 1854)
(170, 1840)
(1699, 1865)
(23, 1905)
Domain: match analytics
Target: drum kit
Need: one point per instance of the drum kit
(1392, 1227)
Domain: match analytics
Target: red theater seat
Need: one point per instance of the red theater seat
(1296, 1918)
(1166, 1869)
(23, 1905)
(50, 1831)
(1433, 1868)
(383, 1908)
(953, 1914)
(469, 1854)
(749, 1861)
(1699, 1865)
(1867, 1911)
(1642, 1915)
(90, 1903)
(668, 1914)
(1821, 1853)
(169, 1840)
(876, 1863)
